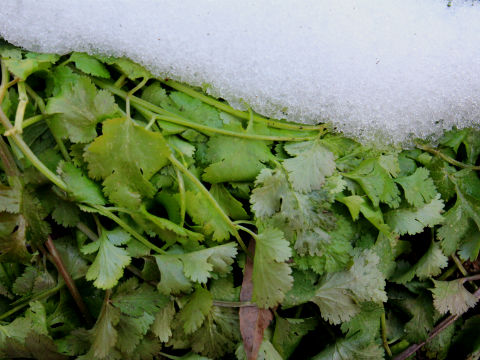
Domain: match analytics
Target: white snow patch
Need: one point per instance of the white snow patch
(384, 69)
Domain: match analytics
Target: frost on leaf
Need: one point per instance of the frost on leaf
(451, 296)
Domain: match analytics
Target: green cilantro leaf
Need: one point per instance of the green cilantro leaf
(413, 221)
(354, 347)
(289, 332)
(126, 156)
(235, 159)
(111, 259)
(80, 106)
(203, 213)
(337, 294)
(194, 312)
(80, 187)
(271, 275)
(311, 164)
(418, 187)
(376, 182)
(89, 65)
(163, 322)
(198, 266)
(134, 299)
(451, 296)
(10, 199)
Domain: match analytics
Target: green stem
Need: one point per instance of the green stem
(106, 212)
(183, 201)
(43, 109)
(120, 81)
(19, 115)
(7, 160)
(39, 296)
(446, 157)
(161, 114)
(30, 155)
(241, 114)
(459, 265)
(233, 304)
(171, 357)
(210, 199)
(4, 83)
(131, 92)
(247, 230)
(34, 119)
(449, 272)
(383, 324)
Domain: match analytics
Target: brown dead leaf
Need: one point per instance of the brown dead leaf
(253, 320)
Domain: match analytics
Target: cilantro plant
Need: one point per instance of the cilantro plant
(142, 219)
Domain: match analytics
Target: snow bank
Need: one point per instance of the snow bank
(393, 69)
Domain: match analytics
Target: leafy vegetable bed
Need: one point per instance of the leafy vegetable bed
(141, 219)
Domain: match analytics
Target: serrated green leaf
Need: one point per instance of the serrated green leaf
(289, 332)
(203, 213)
(80, 107)
(161, 327)
(311, 164)
(80, 187)
(126, 156)
(219, 333)
(413, 221)
(172, 279)
(232, 207)
(104, 334)
(89, 65)
(111, 259)
(135, 299)
(10, 199)
(25, 67)
(376, 182)
(418, 187)
(193, 314)
(338, 292)
(354, 348)
(131, 330)
(235, 159)
(271, 275)
(451, 296)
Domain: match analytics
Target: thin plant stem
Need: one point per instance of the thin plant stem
(19, 115)
(57, 260)
(131, 92)
(7, 160)
(161, 114)
(210, 199)
(383, 325)
(4, 84)
(412, 349)
(183, 201)
(34, 119)
(446, 157)
(238, 113)
(30, 155)
(107, 213)
(38, 296)
(43, 109)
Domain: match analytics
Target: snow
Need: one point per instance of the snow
(387, 70)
